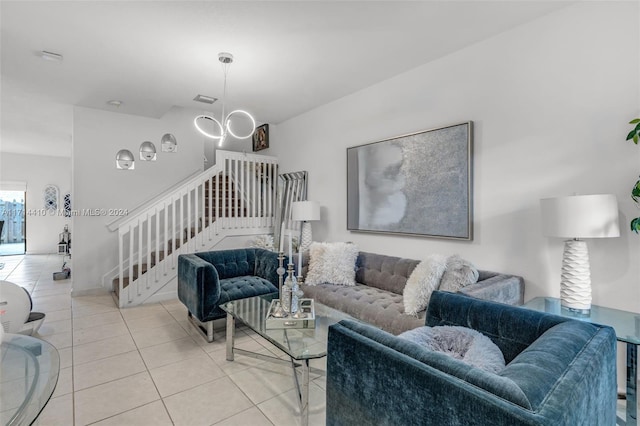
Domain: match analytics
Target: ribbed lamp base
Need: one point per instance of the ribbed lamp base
(305, 237)
(575, 280)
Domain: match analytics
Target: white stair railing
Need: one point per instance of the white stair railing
(236, 196)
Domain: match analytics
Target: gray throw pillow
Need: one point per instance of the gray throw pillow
(462, 343)
(458, 274)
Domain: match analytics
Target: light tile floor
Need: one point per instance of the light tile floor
(149, 366)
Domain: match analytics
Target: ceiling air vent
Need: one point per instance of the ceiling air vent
(205, 99)
(50, 56)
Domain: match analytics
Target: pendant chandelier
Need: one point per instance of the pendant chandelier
(224, 127)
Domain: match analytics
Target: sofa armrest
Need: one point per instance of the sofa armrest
(198, 286)
(501, 288)
(569, 373)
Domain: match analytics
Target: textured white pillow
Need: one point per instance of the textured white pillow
(332, 263)
(423, 280)
(460, 273)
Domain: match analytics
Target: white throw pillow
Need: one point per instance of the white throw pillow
(460, 273)
(332, 263)
(423, 280)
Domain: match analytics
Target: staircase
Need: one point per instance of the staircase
(236, 196)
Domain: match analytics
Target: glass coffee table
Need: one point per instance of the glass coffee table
(28, 375)
(627, 328)
(300, 344)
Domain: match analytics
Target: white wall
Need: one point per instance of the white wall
(550, 101)
(39, 171)
(97, 184)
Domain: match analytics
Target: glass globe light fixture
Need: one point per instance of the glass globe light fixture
(147, 151)
(125, 160)
(169, 143)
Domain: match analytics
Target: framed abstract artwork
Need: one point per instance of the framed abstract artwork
(261, 138)
(418, 184)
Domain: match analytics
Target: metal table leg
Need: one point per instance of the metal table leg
(632, 380)
(301, 387)
(231, 328)
(304, 400)
(302, 390)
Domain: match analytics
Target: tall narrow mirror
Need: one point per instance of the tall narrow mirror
(291, 187)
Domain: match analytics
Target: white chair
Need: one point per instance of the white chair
(15, 310)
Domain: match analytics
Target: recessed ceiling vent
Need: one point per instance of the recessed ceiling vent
(205, 99)
(50, 56)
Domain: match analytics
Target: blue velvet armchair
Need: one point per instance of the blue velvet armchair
(207, 280)
(559, 371)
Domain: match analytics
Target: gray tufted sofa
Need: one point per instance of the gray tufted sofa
(377, 296)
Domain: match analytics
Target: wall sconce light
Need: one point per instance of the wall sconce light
(125, 160)
(169, 143)
(147, 151)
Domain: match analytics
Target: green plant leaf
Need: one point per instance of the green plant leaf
(631, 134)
(635, 139)
(635, 225)
(635, 192)
(634, 121)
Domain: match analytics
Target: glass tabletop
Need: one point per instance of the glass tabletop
(626, 324)
(29, 370)
(299, 343)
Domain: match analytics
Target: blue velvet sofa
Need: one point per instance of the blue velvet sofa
(559, 371)
(207, 280)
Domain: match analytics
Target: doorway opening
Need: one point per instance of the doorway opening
(12, 223)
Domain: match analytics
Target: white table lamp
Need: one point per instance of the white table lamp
(305, 211)
(574, 217)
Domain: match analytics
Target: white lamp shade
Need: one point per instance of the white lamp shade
(305, 210)
(580, 216)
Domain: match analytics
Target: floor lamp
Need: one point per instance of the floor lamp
(575, 217)
(305, 211)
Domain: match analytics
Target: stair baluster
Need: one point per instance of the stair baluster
(234, 197)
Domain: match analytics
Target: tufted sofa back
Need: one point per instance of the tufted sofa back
(384, 272)
(231, 263)
(241, 262)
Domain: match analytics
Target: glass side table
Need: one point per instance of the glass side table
(29, 370)
(627, 328)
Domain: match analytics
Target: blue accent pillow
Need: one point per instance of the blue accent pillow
(464, 344)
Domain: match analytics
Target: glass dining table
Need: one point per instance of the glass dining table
(29, 369)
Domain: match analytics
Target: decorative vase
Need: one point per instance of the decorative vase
(294, 296)
(288, 291)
